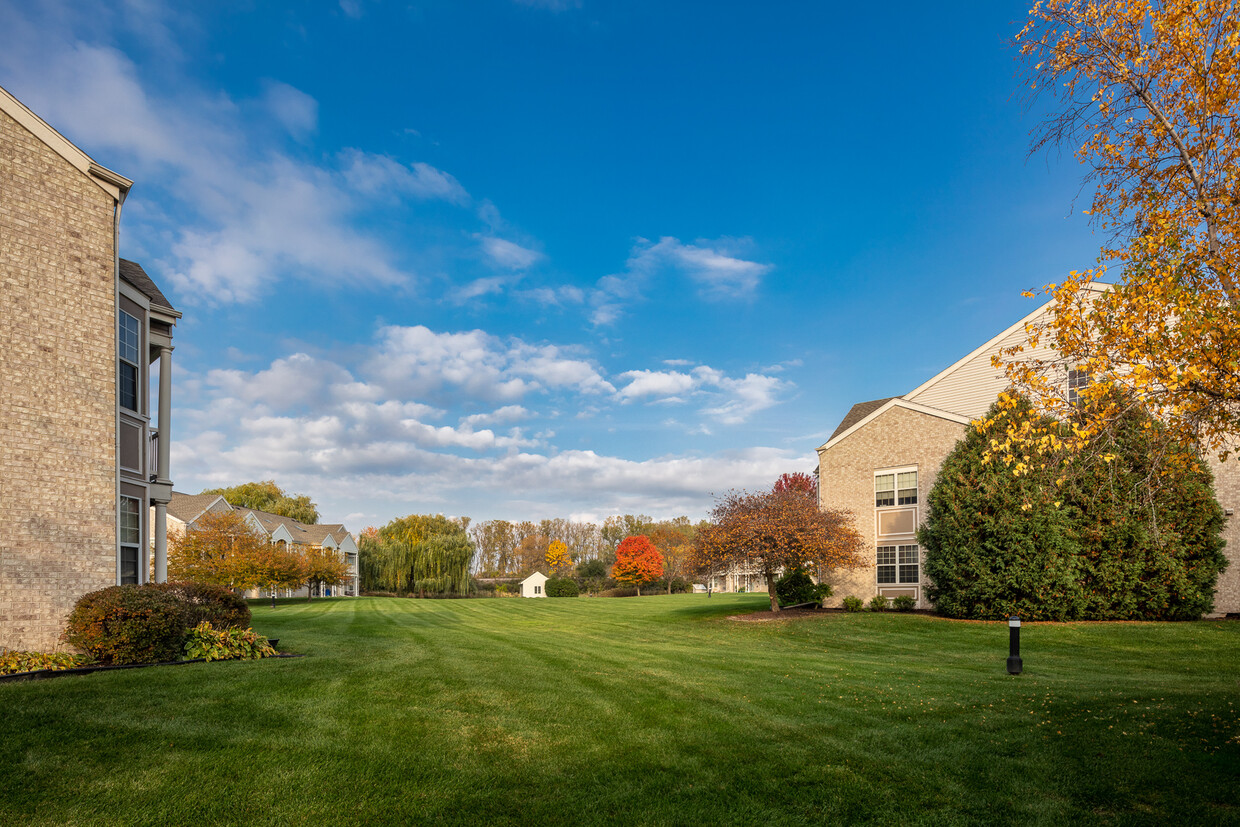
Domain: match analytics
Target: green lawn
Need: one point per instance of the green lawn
(655, 710)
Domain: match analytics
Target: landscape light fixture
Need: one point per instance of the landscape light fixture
(1013, 661)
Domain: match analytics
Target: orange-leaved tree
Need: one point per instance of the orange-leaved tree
(779, 529)
(557, 557)
(216, 550)
(1148, 97)
(637, 562)
(273, 566)
(323, 567)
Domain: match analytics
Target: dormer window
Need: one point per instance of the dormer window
(128, 337)
(1078, 380)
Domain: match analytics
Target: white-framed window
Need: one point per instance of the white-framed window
(128, 338)
(892, 488)
(899, 565)
(1078, 380)
(131, 539)
(538, 590)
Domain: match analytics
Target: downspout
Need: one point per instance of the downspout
(116, 407)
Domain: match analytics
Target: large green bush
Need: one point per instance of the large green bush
(796, 587)
(1117, 539)
(128, 624)
(217, 605)
(561, 587)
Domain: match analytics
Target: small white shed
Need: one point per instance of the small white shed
(535, 585)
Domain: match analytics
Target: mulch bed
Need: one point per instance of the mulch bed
(783, 614)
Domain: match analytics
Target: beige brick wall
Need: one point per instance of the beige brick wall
(1227, 489)
(899, 437)
(57, 411)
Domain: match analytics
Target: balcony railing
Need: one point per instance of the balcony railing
(152, 454)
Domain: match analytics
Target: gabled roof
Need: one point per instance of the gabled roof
(133, 273)
(189, 507)
(110, 182)
(888, 404)
(865, 412)
(859, 412)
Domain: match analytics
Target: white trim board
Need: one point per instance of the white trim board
(896, 402)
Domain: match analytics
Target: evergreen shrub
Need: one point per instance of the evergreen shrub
(1115, 538)
(796, 586)
(561, 587)
(853, 604)
(878, 603)
(903, 603)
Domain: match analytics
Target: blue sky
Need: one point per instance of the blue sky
(533, 258)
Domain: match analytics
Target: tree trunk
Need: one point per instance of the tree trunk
(770, 585)
(639, 591)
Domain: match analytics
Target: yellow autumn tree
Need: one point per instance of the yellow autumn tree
(1148, 97)
(217, 549)
(557, 557)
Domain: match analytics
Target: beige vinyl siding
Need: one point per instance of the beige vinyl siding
(971, 387)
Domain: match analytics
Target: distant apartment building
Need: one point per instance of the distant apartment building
(80, 462)
(185, 510)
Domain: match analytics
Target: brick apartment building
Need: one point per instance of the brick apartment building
(883, 459)
(80, 463)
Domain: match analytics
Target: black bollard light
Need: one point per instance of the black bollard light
(1014, 663)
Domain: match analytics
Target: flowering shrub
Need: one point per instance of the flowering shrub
(226, 644)
(128, 624)
(13, 662)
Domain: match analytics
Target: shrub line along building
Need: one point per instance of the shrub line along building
(883, 459)
(185, 510)
(80, 460)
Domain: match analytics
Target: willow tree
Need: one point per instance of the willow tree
(422, 553)
(1147, 94)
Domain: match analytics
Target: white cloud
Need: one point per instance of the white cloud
(644, 383)
(717, 267)
(509, 255)
(373, 174)
(714, 265)
(732, 401)
(297, 111)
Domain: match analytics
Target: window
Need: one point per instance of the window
(898, 564)
(1078, 380)
(538, 590)
(895, 489)
(131, 538)
(128, 336)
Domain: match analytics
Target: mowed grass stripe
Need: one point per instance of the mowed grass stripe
(654, 710)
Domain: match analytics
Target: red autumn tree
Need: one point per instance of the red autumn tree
(797, 481)
(783, 529)
(637, 562)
